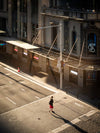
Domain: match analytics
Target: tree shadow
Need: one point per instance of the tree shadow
(68, 122)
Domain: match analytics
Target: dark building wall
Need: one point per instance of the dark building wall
(78, 4)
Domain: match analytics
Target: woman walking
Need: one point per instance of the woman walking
(51, 104)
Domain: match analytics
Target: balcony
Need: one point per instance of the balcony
(83, 15)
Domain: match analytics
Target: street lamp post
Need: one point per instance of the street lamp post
(61, 73)
(60, 42)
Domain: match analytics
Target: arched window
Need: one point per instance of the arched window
(73, 41)
(92, 43)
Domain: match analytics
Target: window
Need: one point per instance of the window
(23, 5)
(53, 3)
(54, 34)
(73, 75)
(91, 75)
(92, 43)
(1, 4)
(25, 53)
(73, 41)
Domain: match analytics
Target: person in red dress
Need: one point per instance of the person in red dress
(51, 104)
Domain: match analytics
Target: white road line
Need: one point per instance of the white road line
(10, 100)
(22, 89)
(37, 97)
(7, 73)
(25, 105)
(91, 113)
(76, 120)
(40, 84)
(78, 104)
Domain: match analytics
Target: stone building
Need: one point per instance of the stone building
(19, 18)
(63, 26)
(79, 40)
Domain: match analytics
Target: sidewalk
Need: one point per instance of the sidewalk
(68, 88)
(35, 117)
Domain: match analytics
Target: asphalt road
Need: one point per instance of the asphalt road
(16, 91)
(24, 108)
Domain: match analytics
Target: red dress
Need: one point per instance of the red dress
(51, 106)
(51, 103)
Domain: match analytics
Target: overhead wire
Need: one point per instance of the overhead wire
(81, 54)
(52, 45)
(71, 50)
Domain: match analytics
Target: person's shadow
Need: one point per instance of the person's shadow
(68, 122)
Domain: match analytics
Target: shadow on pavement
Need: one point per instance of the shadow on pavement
(23, 84)
(68, 122)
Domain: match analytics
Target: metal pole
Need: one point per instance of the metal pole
(61, 43)
(61, 37)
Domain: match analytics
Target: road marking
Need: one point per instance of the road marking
(22, 89)
(91, 113)
(78, 104)
(10, 100)
(32, 80)
(7, 73)
(76, 120)
(25, 105)
(37, 97)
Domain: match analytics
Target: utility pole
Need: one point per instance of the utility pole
(60, 43)
(61, 37)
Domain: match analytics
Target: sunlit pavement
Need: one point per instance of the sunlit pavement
(70, 114)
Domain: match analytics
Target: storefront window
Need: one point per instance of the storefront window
(25, 53)
(73, 77)
(2, 46)
(91, 75)
(92, 44)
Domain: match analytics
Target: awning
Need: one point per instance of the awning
(18, 43)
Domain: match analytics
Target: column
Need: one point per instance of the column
(9, 17)
(18, 18)
(41, 21)
(21, 32)
(29, 21)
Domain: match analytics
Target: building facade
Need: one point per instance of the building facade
(62, 24)
(19, 18)
(79, 40)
